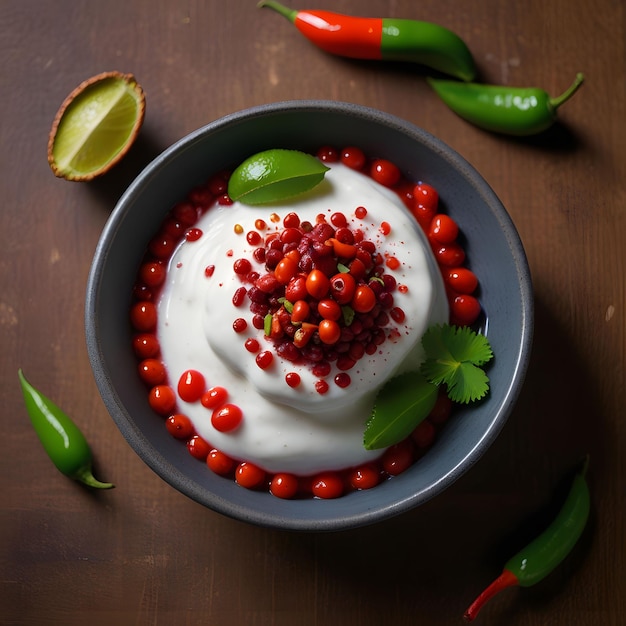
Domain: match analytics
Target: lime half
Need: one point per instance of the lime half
(275, 175)
(95, 126)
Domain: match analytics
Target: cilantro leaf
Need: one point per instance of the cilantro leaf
(454, 356)
(402, 403)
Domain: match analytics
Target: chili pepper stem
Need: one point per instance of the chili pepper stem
(568, 93)
(290, 14)
(505, 580)
(85, 476)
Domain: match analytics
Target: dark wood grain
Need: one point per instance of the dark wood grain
(143, 553)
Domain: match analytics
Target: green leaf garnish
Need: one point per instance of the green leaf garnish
(275, 175)
(343, 269)
(267, 325)
(454, 356)
(401, 404)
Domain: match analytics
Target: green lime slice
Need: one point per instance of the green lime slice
(275, 175)
(95, 126)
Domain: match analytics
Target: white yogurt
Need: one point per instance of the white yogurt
(284, 429)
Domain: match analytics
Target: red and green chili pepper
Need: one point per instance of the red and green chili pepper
(384, 39)
(61, 438)
(540, 557)
(507, 110)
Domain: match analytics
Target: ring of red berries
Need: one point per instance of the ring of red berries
(292, 318)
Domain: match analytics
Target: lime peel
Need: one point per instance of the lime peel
(95, 126)
(274, 175)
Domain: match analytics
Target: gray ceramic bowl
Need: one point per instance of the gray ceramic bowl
(492, 245)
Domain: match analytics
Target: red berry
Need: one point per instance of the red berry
(162, 399)
(219, 462)
(227, 418)
(152, 273)
(465, 309)
(398, 457)
(443, 229)
(365, 476)
(285, 270)
(397, 315)
(264, 359)
(364, 299)
(146, 345)
(239, 325)
(249, 475)
(327, 485)
(338, 220)
(296, 289)
(342, 287)
(293, 379)
(253, 238)
(252, 345)
(193, 234)
(191, 386)
(342, 380)
(353, 157)
(143, 316)
(461, 280)
(329, 310)
(329, 331)
(385, 172)
(317, 284)
(449, 255)
(214, 397)
(423, 215)
(179, 426)
(300, 312)
(427, 196)
(284, 486)
(321, 386)
(291, 220)
(242, 267)
(152, 372)
(328, 154)
(198, 447)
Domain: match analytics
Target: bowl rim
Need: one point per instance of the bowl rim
(162, 467)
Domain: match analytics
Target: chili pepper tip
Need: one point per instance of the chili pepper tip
(505, 580)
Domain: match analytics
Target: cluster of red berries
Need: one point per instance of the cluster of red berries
(324, 296)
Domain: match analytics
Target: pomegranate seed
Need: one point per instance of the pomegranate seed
(342, 380)
(264, 359)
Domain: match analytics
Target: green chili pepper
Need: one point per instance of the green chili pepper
(384, 39)
(540, 557)
(508, 110)
(63, 441)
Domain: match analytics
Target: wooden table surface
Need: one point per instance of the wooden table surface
(145, 554)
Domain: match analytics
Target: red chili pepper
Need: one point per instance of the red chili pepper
(382, 39)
